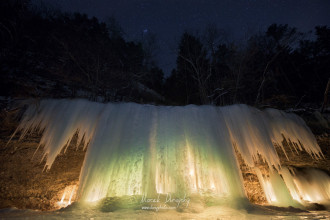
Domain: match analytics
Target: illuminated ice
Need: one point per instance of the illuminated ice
(138, 149)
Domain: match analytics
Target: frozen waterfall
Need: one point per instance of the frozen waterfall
(138, 149)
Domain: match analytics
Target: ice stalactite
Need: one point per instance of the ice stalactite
(138, 149)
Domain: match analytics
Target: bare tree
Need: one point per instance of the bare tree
(326, 92)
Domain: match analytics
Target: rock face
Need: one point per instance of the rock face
(24, 184)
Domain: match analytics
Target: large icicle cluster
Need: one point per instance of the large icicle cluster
(146, 149)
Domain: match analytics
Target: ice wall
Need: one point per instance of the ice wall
(307, 185)
(146, 149)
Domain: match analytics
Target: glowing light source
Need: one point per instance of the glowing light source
(191, 172)
(212, 186)
(69, 190)
(270, 191)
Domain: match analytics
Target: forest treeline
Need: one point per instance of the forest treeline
(49, 53)
(279, 67)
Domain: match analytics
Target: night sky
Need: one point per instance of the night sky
(169, 18)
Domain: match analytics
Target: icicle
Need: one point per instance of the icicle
(72, 192)
(63, 197)
(308, 185)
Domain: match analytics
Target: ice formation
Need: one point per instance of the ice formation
(138, 149)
